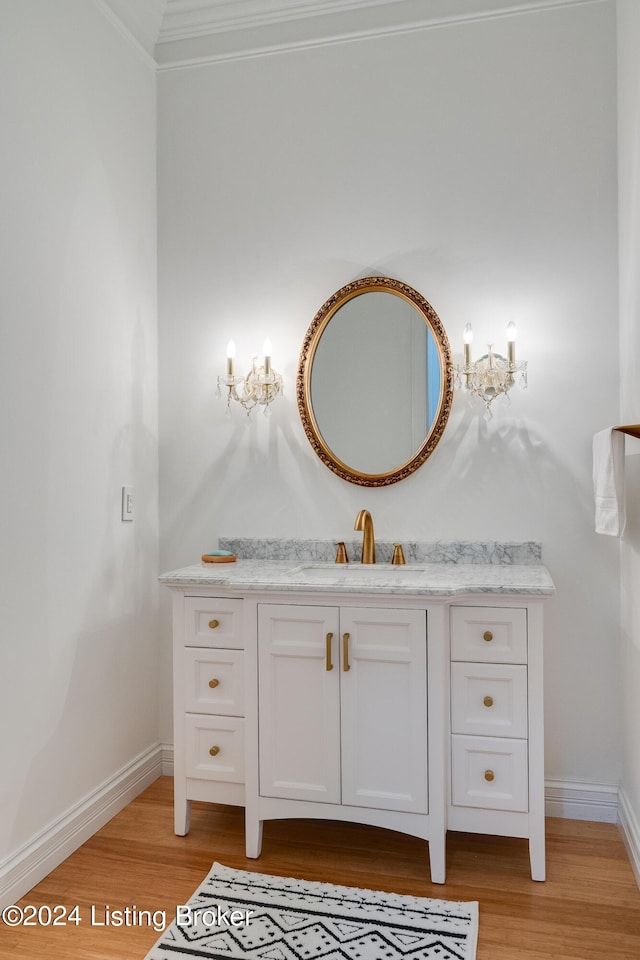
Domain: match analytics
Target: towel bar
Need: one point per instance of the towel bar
(633, 429)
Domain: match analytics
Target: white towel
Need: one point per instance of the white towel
(608, 481)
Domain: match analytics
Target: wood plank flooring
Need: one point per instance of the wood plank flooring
(588, 909)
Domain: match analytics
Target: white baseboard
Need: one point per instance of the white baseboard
(577, 800)
(573, 800)
(28, 865)
(167, 759)
(630, 829)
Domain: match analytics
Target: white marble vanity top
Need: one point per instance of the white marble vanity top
(416, 579)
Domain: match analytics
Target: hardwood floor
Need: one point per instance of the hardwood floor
(588, 909)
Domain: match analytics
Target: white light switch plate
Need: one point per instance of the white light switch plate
(127, 503)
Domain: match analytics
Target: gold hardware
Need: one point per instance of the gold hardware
(345, 652)
(213, 683)
(328, 664)
(214, 751)
(214, 623)
(488, 701)
(633, 429)
(365, 524)
(489, 775)
(487, 635)
(341, 553)
(398, 554)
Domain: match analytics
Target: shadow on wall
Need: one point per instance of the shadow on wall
(262, 478)
(632, 489)
(261, 470)
(542, 481)
(94, 715)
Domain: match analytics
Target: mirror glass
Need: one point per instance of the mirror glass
(375, 381)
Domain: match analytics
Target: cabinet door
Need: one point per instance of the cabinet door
(299, 709)
(384, 708)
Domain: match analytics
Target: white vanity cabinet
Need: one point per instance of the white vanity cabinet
(209, 697)
(496, 725)
(342, 695)
(417, 709)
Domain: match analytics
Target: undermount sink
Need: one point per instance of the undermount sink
(377, 571)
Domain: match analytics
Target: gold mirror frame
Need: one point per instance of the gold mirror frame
(303, 385)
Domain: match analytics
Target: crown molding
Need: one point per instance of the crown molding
(201, 31)
(140, 20)
(188, 18)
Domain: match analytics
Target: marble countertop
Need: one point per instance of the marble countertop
(414, 579)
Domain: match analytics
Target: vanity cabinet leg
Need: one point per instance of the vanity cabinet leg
(253, 837)
(182, 815)
(537, 856)
(437, 859)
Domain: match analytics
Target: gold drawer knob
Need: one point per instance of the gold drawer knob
(214, 751)
(213, 683)
(489, 775)
(487, 635)
(213, 624)
(488, 701)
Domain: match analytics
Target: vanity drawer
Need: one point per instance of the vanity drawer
(214, 682)
(490, 773)
(489, 634)
(489, 699)
(211, 622)
(215, 748)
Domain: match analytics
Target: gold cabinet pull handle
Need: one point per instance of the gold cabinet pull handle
(213, 624)
(489, 775)
(328, 664)
(214, 683)
(345, 652)
(487, 635)
(214, 751)
(488, 701)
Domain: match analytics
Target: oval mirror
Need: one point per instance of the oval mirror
(375, 381)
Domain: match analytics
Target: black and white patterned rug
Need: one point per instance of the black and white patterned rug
(237, 915)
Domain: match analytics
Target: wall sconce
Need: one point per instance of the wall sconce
(492, 374)
(259, 387)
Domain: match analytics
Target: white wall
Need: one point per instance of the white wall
(78, 410)
(629, 206)
(476, 162)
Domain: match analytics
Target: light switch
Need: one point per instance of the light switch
(127, 503)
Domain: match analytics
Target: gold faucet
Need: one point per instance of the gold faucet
(365, 523)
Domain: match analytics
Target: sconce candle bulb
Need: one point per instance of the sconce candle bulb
(511, 341)
(492, 374)
(468, 340)
(267, 348)
(231, 352)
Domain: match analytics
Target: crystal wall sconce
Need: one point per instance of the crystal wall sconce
(259, 387)
(492, 374)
